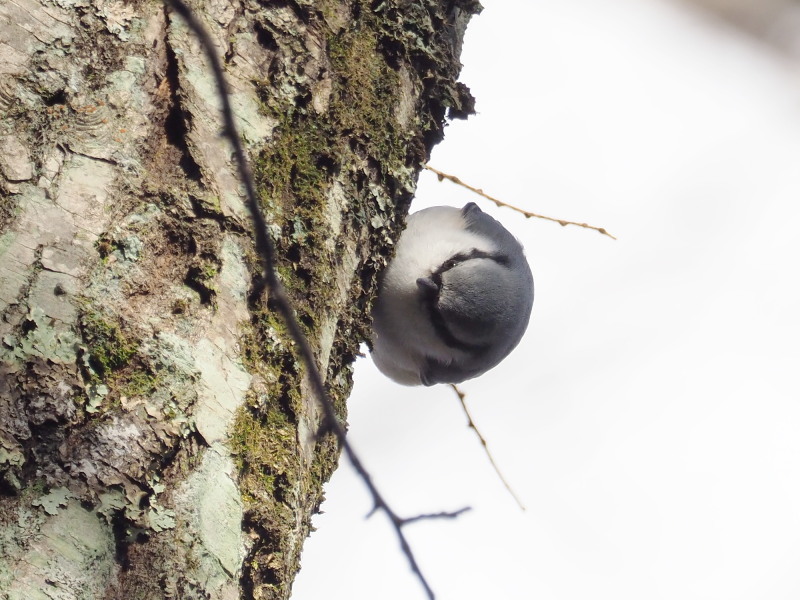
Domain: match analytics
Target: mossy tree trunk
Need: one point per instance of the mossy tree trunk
(157, 436)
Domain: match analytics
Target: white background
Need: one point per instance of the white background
(650, 419)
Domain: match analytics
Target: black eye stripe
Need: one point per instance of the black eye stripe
(457, 259)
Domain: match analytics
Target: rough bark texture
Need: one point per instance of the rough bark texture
(156, 434)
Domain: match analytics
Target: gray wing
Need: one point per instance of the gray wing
(434, 372)
(515, 265)
(486, 226)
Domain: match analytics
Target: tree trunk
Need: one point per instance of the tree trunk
(157, 436)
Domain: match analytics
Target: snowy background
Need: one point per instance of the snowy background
(650, 419)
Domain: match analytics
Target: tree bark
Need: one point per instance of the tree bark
(157, 435)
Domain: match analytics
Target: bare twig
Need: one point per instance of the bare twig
(462, 398)
(439, 515)
(269, 279)
(441, 175)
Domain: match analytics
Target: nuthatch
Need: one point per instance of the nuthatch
(454, 301)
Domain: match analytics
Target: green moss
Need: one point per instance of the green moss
(365, 94)
(295, 170)
(139, 383)
(292, 170)
(115, 369)
(264, 447)
(109, 348)
(208, 271)
(365, 139)
(294, 173)
(264, 341)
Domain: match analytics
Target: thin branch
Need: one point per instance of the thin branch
(462, 398)
(440, 515)
(441, 175)
(269, 279)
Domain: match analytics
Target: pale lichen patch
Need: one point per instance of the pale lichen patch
(44, 338)
(224, 385)
(70, 555)
(15, 159)
(208, 505)
(53, 500)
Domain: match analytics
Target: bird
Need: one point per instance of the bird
(454, 301)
